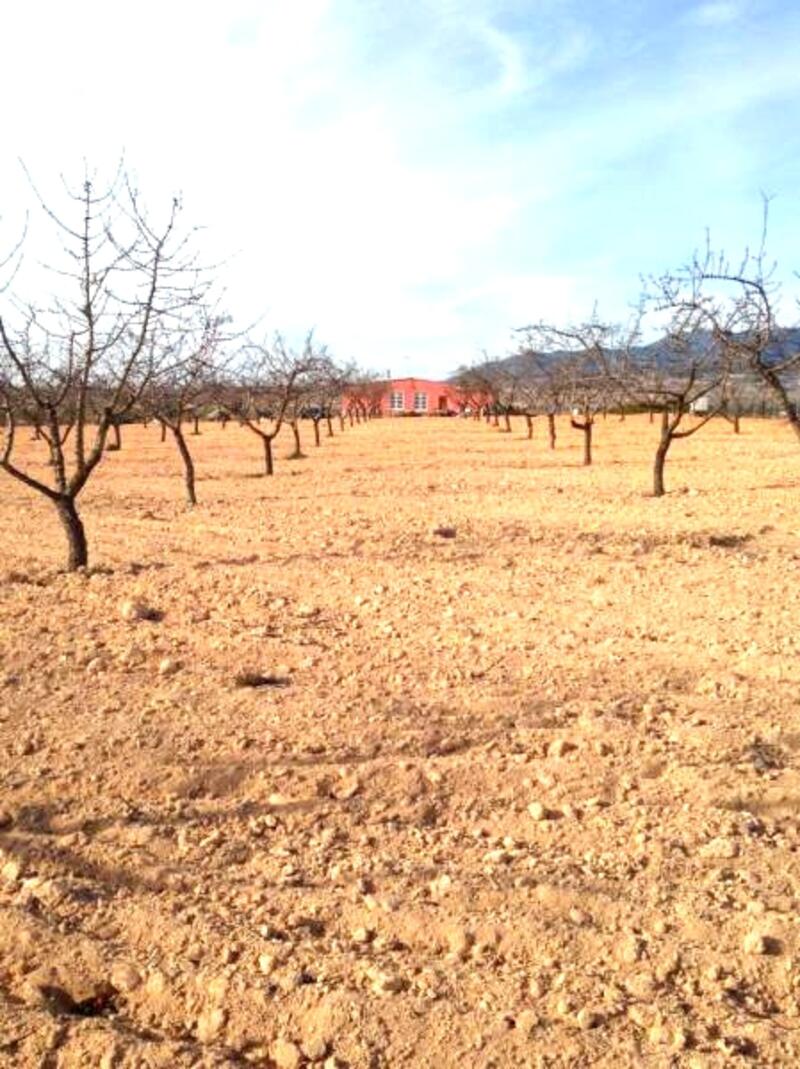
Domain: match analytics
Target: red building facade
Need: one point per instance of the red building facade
(421, 397)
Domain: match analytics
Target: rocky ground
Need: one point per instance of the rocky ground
(434, 749)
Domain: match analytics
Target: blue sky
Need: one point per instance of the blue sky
(416, 178)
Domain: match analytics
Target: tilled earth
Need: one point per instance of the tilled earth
(434, 749)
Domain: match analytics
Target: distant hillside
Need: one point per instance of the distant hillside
(660, 350)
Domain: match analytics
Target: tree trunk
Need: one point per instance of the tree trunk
(269, 467)
(316, 432)
(658, 468)
(661, 455)
(329, 422)
(789, 406)
(529, 422)
(350, 417)
(586, 427)
(77, 550)
(116, 444)
(196, 428)
(507, 416)
(224, 421)
(341, 422)
(652, 415)
(495, 418)
(551, 428)
(163, 432)
(297, 453)
(188, 463)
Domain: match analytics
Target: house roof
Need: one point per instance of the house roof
(436, 383)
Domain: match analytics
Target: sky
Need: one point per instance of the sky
(416, 178)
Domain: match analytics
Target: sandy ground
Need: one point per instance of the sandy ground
(527, 795)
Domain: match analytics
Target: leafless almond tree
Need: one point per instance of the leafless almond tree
(580, 355)
(79, 361)
(740, 301)
(480, 385)
(325, 396)
(184, 383)
(542, 381)
(365, 392)
(269, 385)
(684, 372)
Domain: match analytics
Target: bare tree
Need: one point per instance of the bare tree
(81, 361)
(740, 303)
(542, 381)
(480, 384)
(506, 387)
(365, 393)
(324, 398)
(270, 385)
(577, 358)
(175, 393)
(684, 372)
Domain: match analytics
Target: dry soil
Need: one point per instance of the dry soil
(522, 792)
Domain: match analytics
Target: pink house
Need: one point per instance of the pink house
(421, 397)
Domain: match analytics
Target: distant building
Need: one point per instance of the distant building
(419, 397)
(424, 397)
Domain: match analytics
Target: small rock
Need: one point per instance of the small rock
(266, 963)
(720, 848)
(755, 943)
(658, 1034)
(11, 871)
(132, 609)
(347, 788)
(458, 940)
(538, 811)
(167, 667)
(315, 1048)
(286, 1055)
(630, 949)
(445, 532)
(559, 747)
(386, 983)
(209, 1024)
(125, 977)
(526, 1022)
(587, 1019)
(680, 1038)
(441, 885)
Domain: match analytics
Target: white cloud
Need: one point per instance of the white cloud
(719, 13)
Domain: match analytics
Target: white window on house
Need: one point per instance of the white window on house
(420, 402)
(396, 402)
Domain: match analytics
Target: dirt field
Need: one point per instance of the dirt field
(528, 795)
